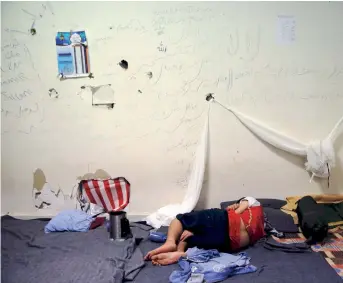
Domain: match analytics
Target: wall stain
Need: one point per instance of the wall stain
(43, 195)
(99, 174)
(39, 179)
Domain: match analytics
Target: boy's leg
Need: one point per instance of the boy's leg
(174, 232)
(171, 257)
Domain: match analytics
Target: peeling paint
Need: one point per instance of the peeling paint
(43, 194)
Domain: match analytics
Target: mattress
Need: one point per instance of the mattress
(273, 266)
(28, 255)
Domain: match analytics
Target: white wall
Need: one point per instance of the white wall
(228, 48)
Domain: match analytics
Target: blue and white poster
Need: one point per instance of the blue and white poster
(72, 54)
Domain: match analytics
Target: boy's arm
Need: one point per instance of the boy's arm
(242, 207)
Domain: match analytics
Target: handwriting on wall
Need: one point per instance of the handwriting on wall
(20, 87)
(254, 97)
(36, 15)
(180, 16)
(242, 43)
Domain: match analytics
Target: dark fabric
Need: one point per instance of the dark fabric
(271, 244)
(270, 230)
(28, 255)
(281, 221)
(312, 219)
(333, 212)
(273, 267)
(210, 228)
(265, 202)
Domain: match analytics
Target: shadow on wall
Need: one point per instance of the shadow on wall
(99, 174)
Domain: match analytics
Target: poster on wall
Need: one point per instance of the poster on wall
(285, 29)
(72, 54)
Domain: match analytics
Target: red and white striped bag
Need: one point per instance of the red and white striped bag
(111, 194)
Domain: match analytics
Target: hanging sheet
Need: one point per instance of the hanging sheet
(320, 153)
(164, 215)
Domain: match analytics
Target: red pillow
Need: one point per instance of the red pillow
(97, 222)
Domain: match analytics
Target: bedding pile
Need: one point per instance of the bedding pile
(332, 204)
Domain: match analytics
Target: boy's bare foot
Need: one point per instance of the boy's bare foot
(166, 258)
(165, 248)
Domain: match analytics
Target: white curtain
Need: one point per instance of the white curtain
(164, 215)
(320, 153)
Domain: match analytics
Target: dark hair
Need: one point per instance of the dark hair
(240, 200)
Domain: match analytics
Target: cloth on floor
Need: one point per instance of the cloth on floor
(270, 230)
(141, 226)
(70, 220)
(271, 244)
(98, 221)
(333, 213)
(140, 230)
(214, 265)
(291, 206)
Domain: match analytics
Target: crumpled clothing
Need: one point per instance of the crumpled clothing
(214, 265)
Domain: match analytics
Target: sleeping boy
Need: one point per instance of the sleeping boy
(230, 229)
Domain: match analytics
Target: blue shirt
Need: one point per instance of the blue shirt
(214, 265)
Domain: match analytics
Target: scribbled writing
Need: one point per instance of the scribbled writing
(181, 15)
(181, 10)
(273, 72)
(18, 92)
(182, 145)
(27, 110)
(278, 72)
(133, 24)
(16, 96)
(21, 77)
(13, 44)
(33, 16)
(257, 96)
(22, 111)
(41, 11)
(242, 43)
(336, 72)
(11, 57)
